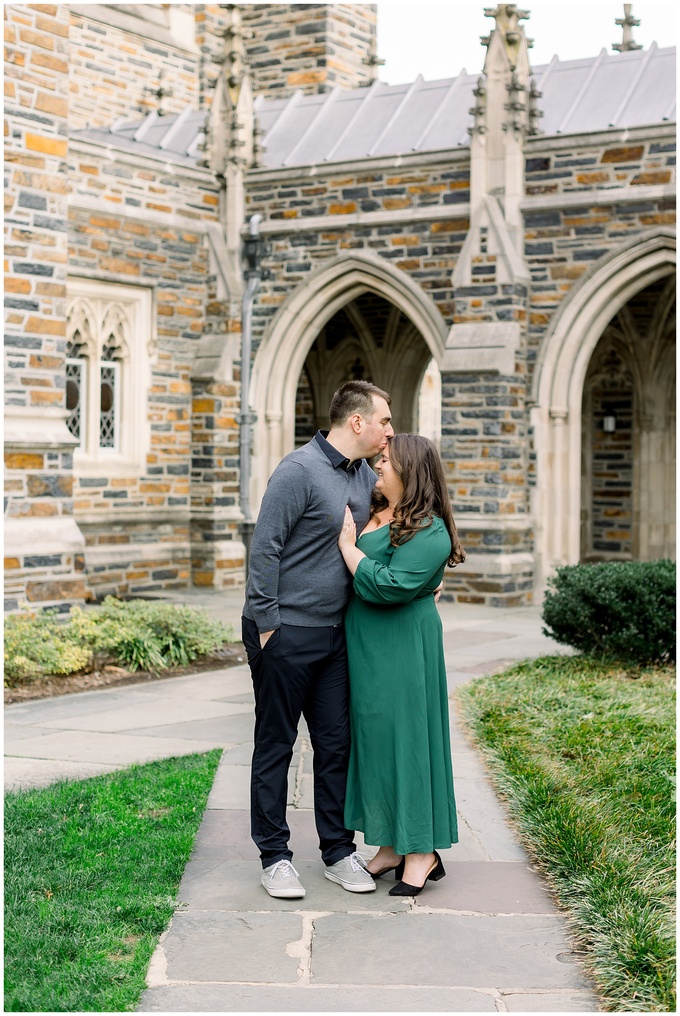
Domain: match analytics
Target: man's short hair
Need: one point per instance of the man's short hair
(354, 397)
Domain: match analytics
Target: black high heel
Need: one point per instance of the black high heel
(435, 873)
(398, 870)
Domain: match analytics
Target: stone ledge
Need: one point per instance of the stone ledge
(487, 347)
(37, 428)
(160, 29)
(428, 213)
(121, 517)
(495, 564)
(40, 535)
(498, 524)
(121, 553)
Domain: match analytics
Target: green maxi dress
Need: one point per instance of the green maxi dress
(400, 780)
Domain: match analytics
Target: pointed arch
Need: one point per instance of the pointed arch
(111, 336)
(559, 378)
(590, 306)
(115, 333)
(282, 353)
(80, 328)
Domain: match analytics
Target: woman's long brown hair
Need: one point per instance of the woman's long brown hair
(417, 463)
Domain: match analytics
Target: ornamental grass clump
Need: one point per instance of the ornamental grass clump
(618, 610)
(583, 752)
(138, 635)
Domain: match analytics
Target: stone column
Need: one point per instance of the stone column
(485, 418)
(44, 547)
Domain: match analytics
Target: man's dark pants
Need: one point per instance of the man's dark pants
(300, 671)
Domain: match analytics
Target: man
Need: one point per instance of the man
(298, 588)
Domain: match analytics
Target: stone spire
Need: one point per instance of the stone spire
(231, 120)
(231, 145)
(627, 23)
(508, 30)
(507, 70)
(506, 111)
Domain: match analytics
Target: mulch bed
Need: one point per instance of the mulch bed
(111, 677)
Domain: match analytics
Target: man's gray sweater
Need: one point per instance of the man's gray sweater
(297, 574)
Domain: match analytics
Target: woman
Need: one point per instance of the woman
(400, 782)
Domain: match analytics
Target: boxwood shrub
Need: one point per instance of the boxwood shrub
(621, 610)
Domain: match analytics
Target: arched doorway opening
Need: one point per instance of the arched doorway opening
(628, 428)
(626, 302)
(356, 315)
(368, 339)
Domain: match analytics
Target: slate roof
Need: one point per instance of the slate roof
(175, 136)
(629, 89)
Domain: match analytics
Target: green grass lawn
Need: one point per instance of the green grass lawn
(91, 874)
(583, 753)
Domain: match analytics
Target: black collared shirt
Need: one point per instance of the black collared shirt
(336, 458)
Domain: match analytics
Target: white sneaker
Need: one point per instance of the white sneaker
(281, 879)
(351, 874)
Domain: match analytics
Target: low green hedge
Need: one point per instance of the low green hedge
(138, 635)
(621, 610)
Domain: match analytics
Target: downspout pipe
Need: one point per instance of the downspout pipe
(253, 250)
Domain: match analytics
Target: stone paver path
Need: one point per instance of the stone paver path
(486, 938)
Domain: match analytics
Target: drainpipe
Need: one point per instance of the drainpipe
(254, 249)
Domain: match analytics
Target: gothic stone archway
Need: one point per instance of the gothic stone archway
(338, 287)
(559, 384)
(628, 490)
(367, 339)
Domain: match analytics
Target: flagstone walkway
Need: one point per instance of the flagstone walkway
(487, 938)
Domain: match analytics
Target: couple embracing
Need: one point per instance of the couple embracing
(345, 631)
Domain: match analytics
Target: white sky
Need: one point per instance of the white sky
(438, 40)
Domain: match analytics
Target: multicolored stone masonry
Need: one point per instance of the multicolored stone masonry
(138, 230)
(45, 563)
(310, 47)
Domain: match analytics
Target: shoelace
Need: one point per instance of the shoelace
(357, 861)
(285, 869)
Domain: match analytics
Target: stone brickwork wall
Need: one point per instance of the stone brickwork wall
(216, 551)
(485, 434)
(344, 191)
(309, 47)
(484, 418)
(43, 544)
(426, 248)
(486, 441)
(562, 242)
(305, 417)
(121, 219)
(583, 167)
(611, 469)
(36, 188)
(113, 69)
(485, 450)
(147, 226)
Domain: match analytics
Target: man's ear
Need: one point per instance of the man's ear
(356, 422)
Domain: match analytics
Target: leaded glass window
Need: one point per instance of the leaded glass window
(108, 367)
(109, 398)
(76, 387)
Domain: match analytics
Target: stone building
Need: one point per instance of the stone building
(497, 249)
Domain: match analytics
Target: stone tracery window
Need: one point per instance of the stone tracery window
(108, 375)
(76, 386)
